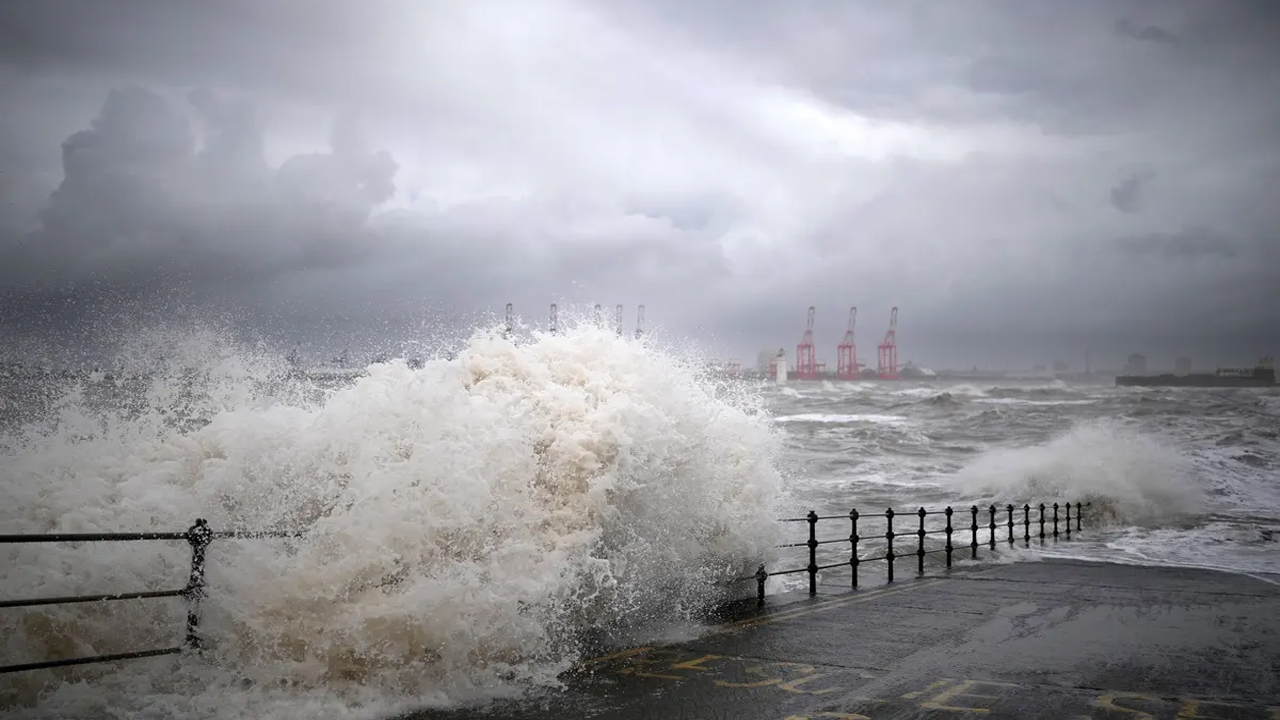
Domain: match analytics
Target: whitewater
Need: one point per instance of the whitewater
(472, 527)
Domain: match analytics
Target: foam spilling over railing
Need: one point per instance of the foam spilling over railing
(199, 536)
(1042, 523)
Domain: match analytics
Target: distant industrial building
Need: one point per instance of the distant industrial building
(1182, 366)
(1137, 365)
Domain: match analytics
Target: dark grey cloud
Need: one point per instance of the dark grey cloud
(356, 165)
(1127, 196)
(139, 198)
(1190, 243)
(1150, 33)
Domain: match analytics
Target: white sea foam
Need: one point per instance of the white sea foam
(838, 418)
(1130, 477)
(466, 524)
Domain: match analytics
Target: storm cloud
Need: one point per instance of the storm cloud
(1026, 179)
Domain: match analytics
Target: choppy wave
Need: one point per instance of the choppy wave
(1183, 475)
(466, 523)
(1129, 477)
(470, 524)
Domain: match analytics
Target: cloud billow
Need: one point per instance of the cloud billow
(1022, 178)
(142, 199)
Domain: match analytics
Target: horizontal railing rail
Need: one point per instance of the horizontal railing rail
(1049, 521)
(1042, 522)
(199, 536)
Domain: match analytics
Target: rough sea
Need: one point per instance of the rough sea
(470, 524)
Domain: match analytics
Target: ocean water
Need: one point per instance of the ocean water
(1184, 476)
(471, 524)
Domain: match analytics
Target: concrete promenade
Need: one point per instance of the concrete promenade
(1051, 639)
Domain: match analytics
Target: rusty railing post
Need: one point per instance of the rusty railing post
(813, 552)
(1009, 510)
(993, 527)
(920, 547)
(199, 536)
(1055, 521)
(1026, 525)
(1079, 512)
(853, 545)
(888, 536)
(761, 577)
(1068, 521)
(948, 514)
(974, 544)
(1041, 523)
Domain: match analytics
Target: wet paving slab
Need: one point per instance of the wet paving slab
(1049, 639)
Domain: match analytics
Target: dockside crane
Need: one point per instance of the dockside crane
(847, 351)
(888, 362)
(806, 364)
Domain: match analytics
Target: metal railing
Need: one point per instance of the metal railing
(1047, 523)
(199, 536)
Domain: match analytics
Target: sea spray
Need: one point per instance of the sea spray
(1129, 476)
(465, 523)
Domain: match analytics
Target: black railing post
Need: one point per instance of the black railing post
(1041, 522)
(1055, 521)
(888, 537)
(948, 514)
(920, 547)
(993, 527)
(1026, 525)
(761, 576)
(974, 543)
(853, 545)
(1009, 510)
(813, 552)
(1079, 511)
(1068, 521)
(199, 536)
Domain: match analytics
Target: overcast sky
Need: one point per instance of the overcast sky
(1026, 179)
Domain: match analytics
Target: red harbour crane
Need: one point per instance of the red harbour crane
(806, 365)
(888, 364)
(847, 351)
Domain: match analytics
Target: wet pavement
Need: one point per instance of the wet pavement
(1050, 639)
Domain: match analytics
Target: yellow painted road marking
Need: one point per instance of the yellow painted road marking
(948, 699)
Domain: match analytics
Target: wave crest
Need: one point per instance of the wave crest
(1129, 477)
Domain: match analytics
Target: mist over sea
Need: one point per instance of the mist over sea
(469, 524)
